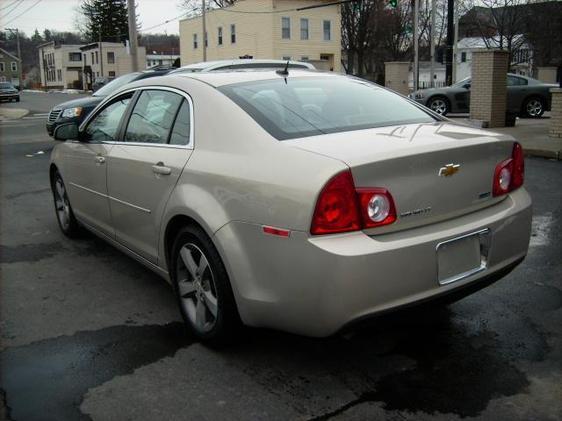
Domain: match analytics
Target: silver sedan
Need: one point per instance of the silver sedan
(303, 202)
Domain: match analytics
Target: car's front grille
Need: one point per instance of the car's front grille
(53, 115)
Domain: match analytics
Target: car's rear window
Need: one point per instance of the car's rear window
(313, 106)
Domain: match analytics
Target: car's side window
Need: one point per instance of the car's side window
(104, 126)
(152, 117)
(515, 81)
(181, 133)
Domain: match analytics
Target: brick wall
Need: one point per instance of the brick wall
(556, 113)
(488, 92)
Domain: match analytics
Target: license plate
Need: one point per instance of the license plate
(462, 257)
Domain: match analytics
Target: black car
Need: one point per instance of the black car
(77, 109)
(8, 92)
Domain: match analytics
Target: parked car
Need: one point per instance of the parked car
(99, 82)
(241, 64)
(76, 110)
(303, 202)
(8, 92)
(526, 97)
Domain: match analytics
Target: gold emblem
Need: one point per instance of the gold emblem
(449, 170)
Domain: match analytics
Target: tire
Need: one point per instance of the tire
(533, 107)
(203, 292)
(65, 216)
(439, 105)
(17, 100)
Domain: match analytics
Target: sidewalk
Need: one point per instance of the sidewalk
(12, 113)
(533, 135)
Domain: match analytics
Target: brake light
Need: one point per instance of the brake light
(509, 174)
(336, 208)
(342, 208)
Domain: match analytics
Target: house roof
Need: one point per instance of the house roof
(9, 54)
(478, 42)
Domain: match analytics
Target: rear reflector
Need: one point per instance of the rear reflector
(276, 231)
(342, 208)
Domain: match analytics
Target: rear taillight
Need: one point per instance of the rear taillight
(343, 208)
(509, 174)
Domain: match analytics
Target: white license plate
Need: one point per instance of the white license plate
(463, 256)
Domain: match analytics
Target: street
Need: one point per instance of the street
(88, 333)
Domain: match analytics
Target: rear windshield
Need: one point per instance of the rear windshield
(315, 106)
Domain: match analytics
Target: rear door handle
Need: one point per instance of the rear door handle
(100, 160)
(159, 168)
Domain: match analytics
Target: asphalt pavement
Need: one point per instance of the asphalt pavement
(88, 333)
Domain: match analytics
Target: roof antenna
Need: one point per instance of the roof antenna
(284, 72)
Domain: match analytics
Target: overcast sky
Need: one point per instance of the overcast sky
(62, 15)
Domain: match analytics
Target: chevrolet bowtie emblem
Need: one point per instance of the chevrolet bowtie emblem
(449, 170)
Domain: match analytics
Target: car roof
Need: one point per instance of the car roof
(210, 65)
(217, 79)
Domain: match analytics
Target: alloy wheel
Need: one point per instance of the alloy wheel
(534, 108)
(196, 287)
(439, 106)
(62, 205)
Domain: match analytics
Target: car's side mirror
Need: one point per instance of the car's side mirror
(67, 131)
(466, 86)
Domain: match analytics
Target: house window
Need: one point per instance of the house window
(97, 58)
(92, 57)
(327, 27)
(219, 36)
(206, 40)
(286, 58)
(286, 28)
(111, 74)
(59, 75)
(2, 67)
(195, 41)
(304, 29)
(74, 57)
(110, 57)
(14, 66)
(233, 34)
(463, 57)
(304, 58)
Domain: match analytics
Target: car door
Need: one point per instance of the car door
(516, 92)
(144, 166)
(461, 95)
(85, 165)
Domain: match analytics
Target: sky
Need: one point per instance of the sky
(61, 15)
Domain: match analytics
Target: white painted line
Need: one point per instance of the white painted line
(540, 229)
(41, 117)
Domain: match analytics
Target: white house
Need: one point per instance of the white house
(155, 58)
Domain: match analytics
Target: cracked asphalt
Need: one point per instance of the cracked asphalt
(88, 333)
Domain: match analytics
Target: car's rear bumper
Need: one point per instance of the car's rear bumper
(317, 285)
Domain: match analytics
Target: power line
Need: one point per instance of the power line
(13, 8)
(10, 5)
(163, 23)
(25, 11)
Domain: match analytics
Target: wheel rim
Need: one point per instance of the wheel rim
(61, 204)
(439, 106)
(534, 108)
(196, 286)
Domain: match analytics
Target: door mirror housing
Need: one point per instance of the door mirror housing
(67, 131)
(466, 86)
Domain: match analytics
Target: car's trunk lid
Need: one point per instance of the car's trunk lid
(407, 160)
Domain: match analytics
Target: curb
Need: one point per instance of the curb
(12, 113)
(542, 153)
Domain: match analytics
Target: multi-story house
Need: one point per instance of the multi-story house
(108, 60)
(266, 29)
(10, 69)
(60, 66)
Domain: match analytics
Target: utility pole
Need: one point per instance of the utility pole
(416, 44)
(450, 41)
(20, 65)
(455, 43)
(432, 46)
(204, 31)
(101, 53)
(133, 34)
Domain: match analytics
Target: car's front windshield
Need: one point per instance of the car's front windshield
(314, 106)
(5, 85)
(461, 83)
(115, 84)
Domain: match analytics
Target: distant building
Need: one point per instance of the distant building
(424, 80)
(521, 59)
(278, 31)
(10, 69)
(60, 66)
(108, 60)
(161, 58)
